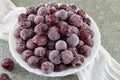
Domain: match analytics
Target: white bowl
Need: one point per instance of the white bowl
(22, 63)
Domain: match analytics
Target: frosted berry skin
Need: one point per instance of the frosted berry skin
(85, 50)
(76, 20)
(39, 51)
(67, 56)
(87, 20)
(89, 42)
(41, 28)
(43, 11)
(38, 19)
(26, 54)
(75, 30)
(40, 40)
(25, 34)
(7, 64)
(73, 40)
(33, 61)
(47, 67)
(78, 60)
(30, 44)
(22, 16)
(24, 23)
(20, 47)
(53, 33)
(17, 32)
(63, 6)
(4, 76)
(52, 20)
(61, 14)
(31, 10)
(61, 45)
(31, 17)
(81, 13)
(52, 4)
(54, 57)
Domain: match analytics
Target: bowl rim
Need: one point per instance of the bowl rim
(22, 63)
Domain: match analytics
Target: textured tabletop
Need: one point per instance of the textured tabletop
(106, 13)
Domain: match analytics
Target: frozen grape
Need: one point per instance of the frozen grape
(75, 30)
(7, 64)
(39, 51)
(73, 40)
(80, 44)
(73, 6)
(81, 13)
(33, 61)
(26, 54)
(52, 4)
(43, 11)
(84, 26)
(60, 67)
(41, 28)
(47, 67)
(17, 32)
(53, 33)
(61, 14)
(61, 45)
(85, 50)
(20, 47)
(22, 16)
(76, 20)
(78, 60)
(52, 9)
(63, 6)
(38, 19)
(31, 17)
(4, 76)
(30, 44)
(25, 34)
(54, 57)
(40, 40)
(67, 56)
(52, 20)
(89, 42)
(25, 23)
(31, 10)
(40, 5)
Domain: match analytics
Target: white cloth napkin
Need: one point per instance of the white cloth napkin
(103, 67)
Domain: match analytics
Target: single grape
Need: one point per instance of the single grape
(31, 10)
(81, 13)
(4, 76)
(40, 51)
(26, 54)
(87, 20)
(30, 44)
(20, 47)
(43, 11)
(61, 45)
(63, 6)
(38, 19)
(31, 17)
(22, 16)
(24, 23)
(52, 4)
(75, 30)
(89, 42)
(52, 20)
(17, 32)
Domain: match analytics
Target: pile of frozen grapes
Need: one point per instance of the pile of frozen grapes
(54, 37)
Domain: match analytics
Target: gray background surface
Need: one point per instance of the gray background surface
(106, 13)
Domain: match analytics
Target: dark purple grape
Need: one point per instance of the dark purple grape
(20, 47)
(61, 45)
(4, 76)
(24, 23)
(52, 9)
(54, 57)
(51, 45)
(52, 4)
(75, 30)
(87, 20)
(40, 5)
(89, 42)
(40, 51)
(25, 34)
(69, 8)
(61, 14)
(47, 67)
(80, 44)
(52, 20)
(85, 50)
(31, 10)
(40, 40)
(7, 64)
(41, 28)
(81, 13)
(26, 54)
(31, 17)
(17, 32)
(73, 6)
(78, 60)
(73, 40)
(20, 41)
(85, 34)
(59, 67)
(67, 56)
(30, 44)
(43, 11)
(63, 6)
(53, 33)
(65, 29)
(38, 19)
(22, 16)
(33, 61)
(76, 20)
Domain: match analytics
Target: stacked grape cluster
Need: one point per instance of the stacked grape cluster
(54, 37)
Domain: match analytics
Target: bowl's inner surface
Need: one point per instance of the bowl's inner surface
(95, 49)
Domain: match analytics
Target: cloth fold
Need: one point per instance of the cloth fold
(103, 67)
